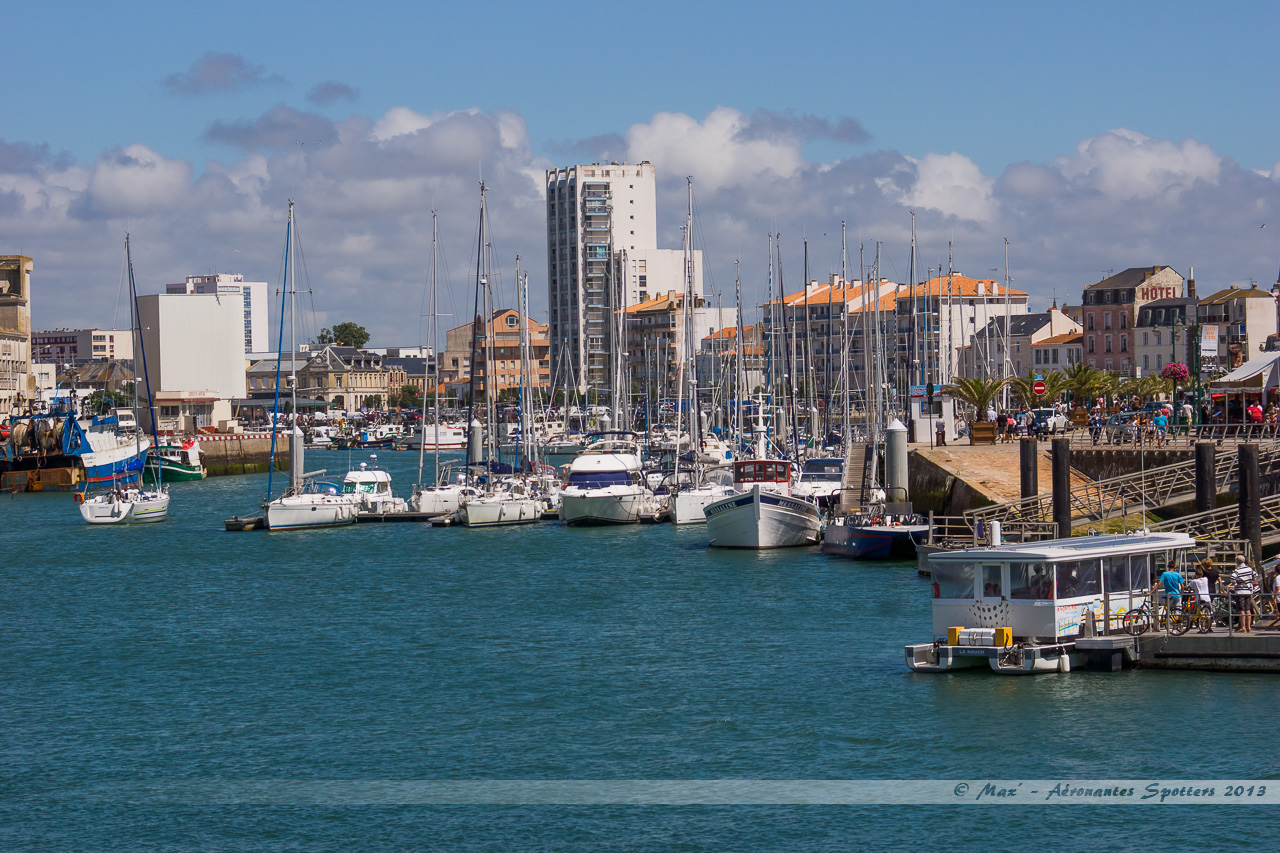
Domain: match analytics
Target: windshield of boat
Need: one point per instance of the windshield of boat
(599, 479)
(821, 471)
(761, 472)
(350, 488)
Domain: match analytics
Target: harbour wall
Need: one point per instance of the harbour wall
(232, 454)
(935, 489)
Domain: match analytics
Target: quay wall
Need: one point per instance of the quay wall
(1218, 652)
(935, 489)
(233, 454)
(1101, 463)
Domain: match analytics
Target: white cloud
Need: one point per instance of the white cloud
(136, 180)
(953, 185)
(713, 150)
(399, 121)
(1124, 164)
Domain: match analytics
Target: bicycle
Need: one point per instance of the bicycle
(1141, 619)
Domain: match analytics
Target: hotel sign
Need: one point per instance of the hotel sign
(1151, 292)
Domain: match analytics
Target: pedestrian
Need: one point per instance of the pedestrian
(1243, 588)
(940, 429)
(1170, 583)
(1187, 412)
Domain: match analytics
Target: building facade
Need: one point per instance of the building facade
(195, 357)
(602, 256)
(77, 346)
(256, 333)
(504, 326)
(657, 346)
(1162, 333)
(17, 385)
(1245, 317)
(1110, 311)
(1012, 344)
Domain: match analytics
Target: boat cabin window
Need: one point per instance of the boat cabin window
(953, 580)
(1079, 577)
(1129, 572)
(761, 472)
(598, 479)
(991, 581)
(1031, 580)
(358, 488)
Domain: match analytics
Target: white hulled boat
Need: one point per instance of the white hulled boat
(316, 505)
(762, 513)
(371, 486)
(689, 500)
(605, 485)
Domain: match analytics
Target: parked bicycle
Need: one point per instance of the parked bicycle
(1142, 619)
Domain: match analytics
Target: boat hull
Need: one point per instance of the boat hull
(614, 505)
(135, 508)
(760, 520)
(300, 512)
(490, 512)
(873, 541)
(689, 507)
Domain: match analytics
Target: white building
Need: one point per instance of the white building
(1013, 344)
(1245, 317)
(256, 333)
(16, 382)
(194, 356)
(602, 256)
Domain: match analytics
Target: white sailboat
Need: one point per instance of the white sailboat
(133, 504)
(307, 503)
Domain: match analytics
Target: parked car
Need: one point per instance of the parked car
(1050, 422)
(1119, 428)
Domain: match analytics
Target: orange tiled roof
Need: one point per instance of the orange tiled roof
(960, 285)
(1059, 340)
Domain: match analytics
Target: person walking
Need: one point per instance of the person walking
(940, 429)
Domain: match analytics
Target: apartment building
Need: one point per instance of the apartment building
(1110, 311)
(256, 334)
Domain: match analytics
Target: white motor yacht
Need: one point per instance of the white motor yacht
(371, 486)
(605, 485)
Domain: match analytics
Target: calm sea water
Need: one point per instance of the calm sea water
(154, 655)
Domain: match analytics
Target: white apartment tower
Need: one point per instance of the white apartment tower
(602, 256)
(256, 336)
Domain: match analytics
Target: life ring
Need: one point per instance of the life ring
(79, 497)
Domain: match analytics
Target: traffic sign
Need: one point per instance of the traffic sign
(1038, 387)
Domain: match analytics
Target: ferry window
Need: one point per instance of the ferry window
(1116, 570)
(1030, 580)
(954, 580)
(991, 581)
(1077, 578)
(1140, 572)
(1162, 562)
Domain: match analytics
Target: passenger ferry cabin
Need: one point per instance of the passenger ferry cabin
(1020, 608)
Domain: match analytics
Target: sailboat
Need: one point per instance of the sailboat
(307, 503)
(510, 502)
(132, 504)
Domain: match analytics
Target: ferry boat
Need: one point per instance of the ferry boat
(762, 513)
(1020, 609)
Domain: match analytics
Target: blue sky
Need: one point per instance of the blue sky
(1094, 135)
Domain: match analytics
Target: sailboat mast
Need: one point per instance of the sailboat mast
(739, 374)
(471, 380)
(844, 338)
(137, 343)
(433, 329)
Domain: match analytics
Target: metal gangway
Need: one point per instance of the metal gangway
(1099, 500)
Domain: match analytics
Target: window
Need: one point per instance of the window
(1157, 339)
(1037, 356)
(953, 581)
(1124, 343)
(1106, 320)
(1124, 321)
(1146, 362)
(1090, 321)
(1055, 356)
(1108, 344)
(1144, 339)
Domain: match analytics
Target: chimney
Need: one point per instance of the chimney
(1191, 283)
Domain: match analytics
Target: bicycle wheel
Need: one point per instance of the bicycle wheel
(1136, 622)
(1204, 619)
(1179, 622)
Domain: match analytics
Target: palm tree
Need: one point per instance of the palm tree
(1085, 382)
(977, 392)
(1023, 388)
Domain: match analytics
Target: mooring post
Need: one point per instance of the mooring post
(1030, 467)
(1062, 485)
(1250, 498)
(1206, 477)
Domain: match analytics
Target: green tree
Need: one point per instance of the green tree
(325, 337)
(410, 395)
(1023, 388)
(373, 401)
(977, 392)
(1085, 382)
(350, 335)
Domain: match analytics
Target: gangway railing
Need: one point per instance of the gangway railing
(1099, 500)
(1224, 522)
(1178, 437)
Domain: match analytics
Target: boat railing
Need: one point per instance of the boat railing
(952, 532)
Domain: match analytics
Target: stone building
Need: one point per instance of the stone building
(1110, 311)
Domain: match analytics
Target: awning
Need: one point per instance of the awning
(1256, 374)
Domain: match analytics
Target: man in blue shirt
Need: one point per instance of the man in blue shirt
(1172, 583)
(1161, 423)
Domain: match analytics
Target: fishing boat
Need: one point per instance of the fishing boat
(308, 502)
(61, 451)
(179, 462)
(1031, 607)
(604, 484)
(126, 504)
(762, 513)
(875, 534)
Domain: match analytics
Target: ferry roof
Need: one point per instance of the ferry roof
(1074, 548)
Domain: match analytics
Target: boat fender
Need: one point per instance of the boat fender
(1064, 663)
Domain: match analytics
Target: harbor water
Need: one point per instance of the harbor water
(140, 659)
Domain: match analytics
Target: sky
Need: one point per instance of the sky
(1091, 136)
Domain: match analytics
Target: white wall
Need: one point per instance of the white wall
(194, 343)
